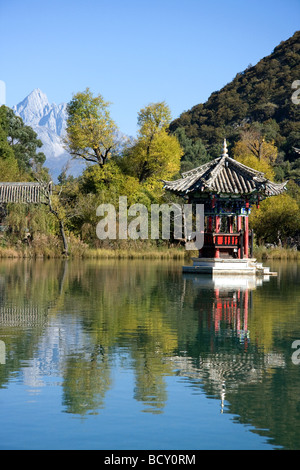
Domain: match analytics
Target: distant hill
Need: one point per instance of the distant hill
(262, 93)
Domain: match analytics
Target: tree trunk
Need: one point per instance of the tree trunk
(64, 238)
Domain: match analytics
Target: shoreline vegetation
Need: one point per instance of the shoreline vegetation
(63, 222)
(45, 249)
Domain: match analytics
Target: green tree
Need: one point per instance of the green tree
(277, 219)
(91, 132)
(195, 153)
(23, 140)
(9, 169)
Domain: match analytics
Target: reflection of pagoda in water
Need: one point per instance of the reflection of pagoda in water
(225, 359)
(227, 308)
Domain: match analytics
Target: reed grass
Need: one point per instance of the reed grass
(160, 253)
(278, 253)
(10, 253)
(45, 248)
(50, 247)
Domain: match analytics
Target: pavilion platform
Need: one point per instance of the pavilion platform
(228, 266)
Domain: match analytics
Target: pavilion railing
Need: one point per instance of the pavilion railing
(234, 241)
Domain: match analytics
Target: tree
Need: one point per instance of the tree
(256, 144)
(155, 154)
(23, 141)
(253, 151)
(153, 118)
(9, 169)
(91, 132)
(277, 219)
(195, 153)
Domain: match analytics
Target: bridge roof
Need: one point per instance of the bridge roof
(23, 192)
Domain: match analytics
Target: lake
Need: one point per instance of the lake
(136, 355)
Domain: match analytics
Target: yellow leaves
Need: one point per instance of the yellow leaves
(157, 158)
(153, 118)
(252, 162)
(256, 154)
(277, 218)
(90, 129)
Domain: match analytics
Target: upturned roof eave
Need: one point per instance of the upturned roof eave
(265, 188)
(224, 175)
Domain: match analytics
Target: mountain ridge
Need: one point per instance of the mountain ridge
(261, 93)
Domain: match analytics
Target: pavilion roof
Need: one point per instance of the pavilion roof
(224, 175)
(24, 192)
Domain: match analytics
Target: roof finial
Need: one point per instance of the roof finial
(225, 150)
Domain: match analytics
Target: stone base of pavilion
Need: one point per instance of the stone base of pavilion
(212, 266)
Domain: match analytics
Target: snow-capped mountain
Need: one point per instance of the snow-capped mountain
(49, 122)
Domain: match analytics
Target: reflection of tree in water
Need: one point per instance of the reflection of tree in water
(147, 357)
(25, 293)
(110, 307)
(86, 381)
(129, 313)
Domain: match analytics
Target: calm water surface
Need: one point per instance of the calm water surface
(136, 355)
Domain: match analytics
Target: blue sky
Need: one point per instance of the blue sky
(136, 52)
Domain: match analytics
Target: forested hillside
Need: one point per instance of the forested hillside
(260, 96)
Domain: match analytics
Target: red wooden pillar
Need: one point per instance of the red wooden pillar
(217, 230)
(230, 224)
(239, 228)
(246, 240)
(210, 218)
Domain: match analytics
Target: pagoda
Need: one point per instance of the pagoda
(227, 189)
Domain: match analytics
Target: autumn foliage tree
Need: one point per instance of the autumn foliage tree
(156, 153)
(277, 219)
(91, 132)
(255, 151)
